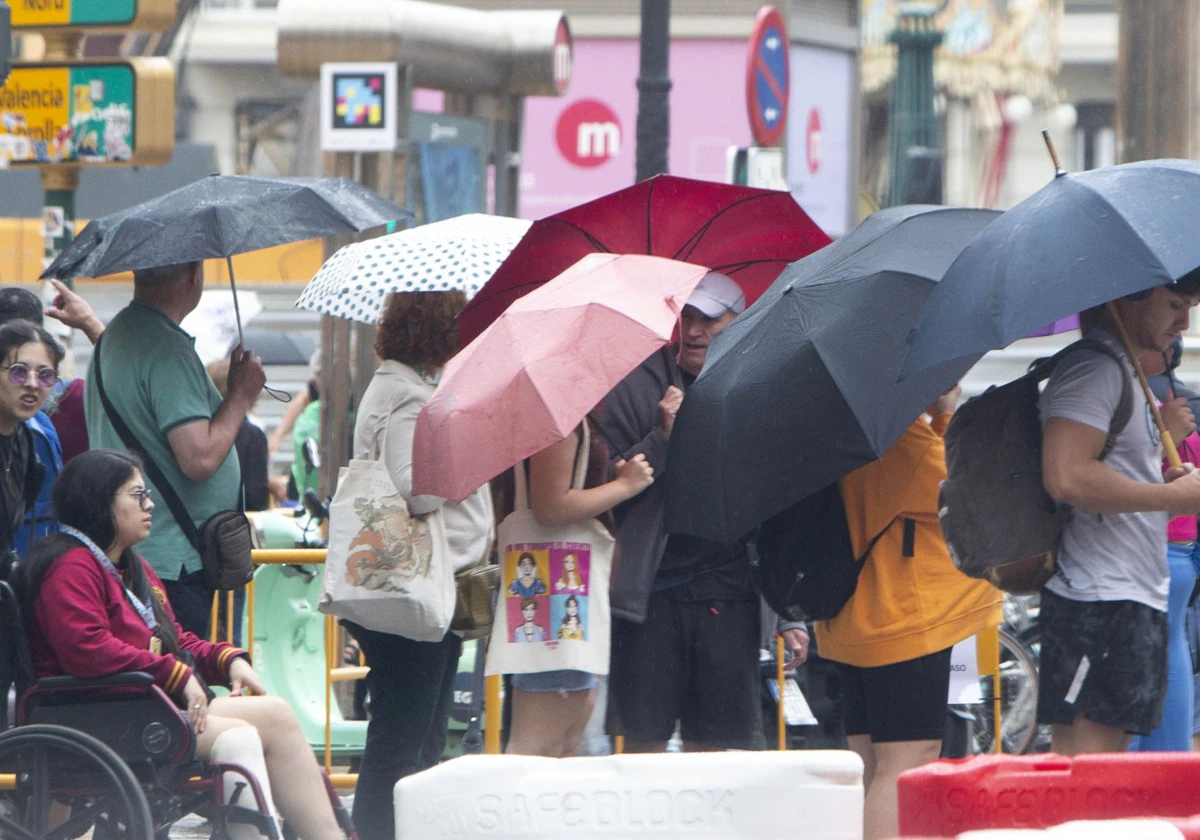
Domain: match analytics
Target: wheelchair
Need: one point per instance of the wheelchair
(114, 754)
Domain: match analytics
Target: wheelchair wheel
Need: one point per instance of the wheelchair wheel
(59, 782)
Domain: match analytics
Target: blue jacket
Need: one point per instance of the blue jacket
(49, 452)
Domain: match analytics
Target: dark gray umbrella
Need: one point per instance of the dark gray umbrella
(218, 217)
(280, 348)
(1081, 241)
(801, 389)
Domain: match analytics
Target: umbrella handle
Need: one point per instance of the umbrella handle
(1168, 444)
(1058, 168)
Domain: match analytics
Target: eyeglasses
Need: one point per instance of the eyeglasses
(143, 497)
(18, 375)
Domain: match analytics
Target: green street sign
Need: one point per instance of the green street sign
(145, 15)
(88, 112)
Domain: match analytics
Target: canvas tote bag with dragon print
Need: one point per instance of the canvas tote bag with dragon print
(386, 569)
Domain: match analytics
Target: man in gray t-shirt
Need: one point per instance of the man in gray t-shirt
(1103, 616)
(1115, 556)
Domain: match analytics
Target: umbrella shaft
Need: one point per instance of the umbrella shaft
(1168, 444)
(237, 310)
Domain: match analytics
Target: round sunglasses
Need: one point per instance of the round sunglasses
(143, 497)
(18, 374)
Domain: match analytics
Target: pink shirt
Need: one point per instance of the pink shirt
(1183, 528)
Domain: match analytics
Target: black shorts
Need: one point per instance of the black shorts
(695, 662)
(905, 701)
(1122, 683)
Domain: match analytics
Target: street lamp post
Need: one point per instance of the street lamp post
(913, 120)
(654, 89)
(5, 41)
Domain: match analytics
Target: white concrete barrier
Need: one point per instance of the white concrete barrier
(799, 795)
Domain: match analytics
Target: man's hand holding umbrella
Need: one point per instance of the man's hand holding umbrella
(1178, 418)
(246, 377)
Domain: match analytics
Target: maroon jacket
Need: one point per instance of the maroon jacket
(84, 626)
(69, 423)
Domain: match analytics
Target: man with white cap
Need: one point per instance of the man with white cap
(686, 620)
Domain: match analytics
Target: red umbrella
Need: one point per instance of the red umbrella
(746, 233)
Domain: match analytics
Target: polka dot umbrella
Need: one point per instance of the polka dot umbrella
(455, 254)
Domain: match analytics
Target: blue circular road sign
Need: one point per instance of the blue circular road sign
(767, 77)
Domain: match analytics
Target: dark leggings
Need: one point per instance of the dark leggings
(411, 686)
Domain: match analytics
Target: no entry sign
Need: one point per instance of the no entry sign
(767, 77)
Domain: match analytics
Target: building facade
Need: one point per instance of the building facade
(575, 147)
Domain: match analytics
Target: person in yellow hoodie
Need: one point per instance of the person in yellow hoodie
(891, 641)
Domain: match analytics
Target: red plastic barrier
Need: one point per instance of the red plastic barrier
(1188, 830)
(1036, 791)
(1135, 829)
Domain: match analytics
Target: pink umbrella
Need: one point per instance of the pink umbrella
(549, 359)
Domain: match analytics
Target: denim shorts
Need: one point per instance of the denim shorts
(547, 681)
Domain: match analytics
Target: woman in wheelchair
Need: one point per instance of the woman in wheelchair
(95, 608)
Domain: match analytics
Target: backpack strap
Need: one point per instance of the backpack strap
(1042, 369)
(863, 559)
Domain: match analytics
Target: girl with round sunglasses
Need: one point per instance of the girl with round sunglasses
(29, 359)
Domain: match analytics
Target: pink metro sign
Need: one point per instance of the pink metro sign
(588, 133)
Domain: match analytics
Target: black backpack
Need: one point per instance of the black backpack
(803, 564)
(999, 522)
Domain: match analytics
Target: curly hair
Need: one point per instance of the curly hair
(417, 328)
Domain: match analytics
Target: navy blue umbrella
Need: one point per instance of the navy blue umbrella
(801, 388)
(1082, 240)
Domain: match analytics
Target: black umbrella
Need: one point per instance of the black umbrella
(801, 389)
(1082, 240)
(280, 348)
(221, 216)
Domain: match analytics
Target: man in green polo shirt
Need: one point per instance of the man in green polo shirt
(159, 387)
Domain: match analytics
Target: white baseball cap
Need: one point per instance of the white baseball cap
(717, 294)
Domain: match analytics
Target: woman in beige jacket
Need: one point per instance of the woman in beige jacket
(411, 683)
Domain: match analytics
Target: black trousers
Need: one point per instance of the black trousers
(411, 687)
(191, 599)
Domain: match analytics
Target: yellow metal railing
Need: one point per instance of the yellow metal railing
(334, 671)
(987, 651)
(781, 683)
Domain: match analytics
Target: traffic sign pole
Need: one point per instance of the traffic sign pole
(59, 183)
(58, 209)
(5, 40)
